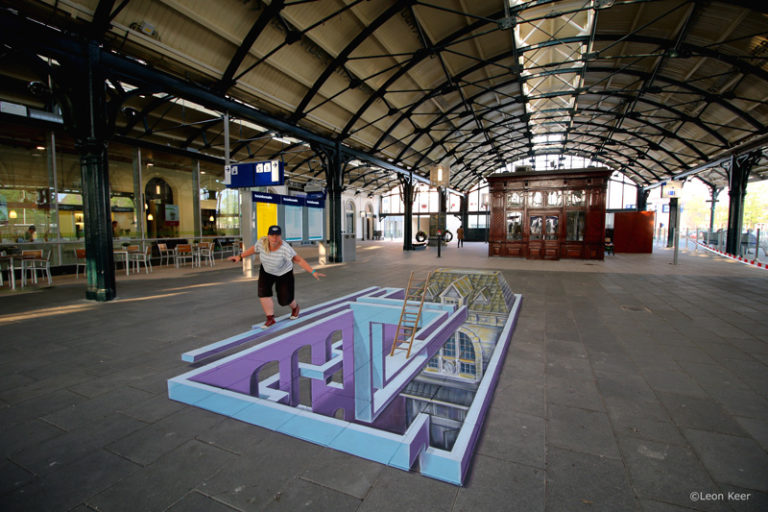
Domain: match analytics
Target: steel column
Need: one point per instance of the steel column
(738, 175)
(86, 107)
(334, 178)
(407, 193)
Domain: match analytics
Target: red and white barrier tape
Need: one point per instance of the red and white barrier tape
(753, 263)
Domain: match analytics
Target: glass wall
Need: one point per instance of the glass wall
(36, 190)
(478, 206)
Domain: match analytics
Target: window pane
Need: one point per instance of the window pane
(574, 230)
(536, 227)
(555, 198)
(552, 227)
(576, 198)
(473, 201)
(454, 202)
(515, 200)
(514, 226)
(466, 350)
(536, 199)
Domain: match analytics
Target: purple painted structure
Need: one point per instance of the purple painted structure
(374, 422)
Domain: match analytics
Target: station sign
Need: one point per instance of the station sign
(293, 201)
(263, 197)
(254, 174)
(673, 188)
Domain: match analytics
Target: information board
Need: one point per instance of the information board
(316, 219)
(294, 224)
(254, 174)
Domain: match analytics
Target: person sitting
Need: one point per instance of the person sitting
(31, 234)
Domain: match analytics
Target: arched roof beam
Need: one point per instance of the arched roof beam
(342, 57)
(416, 59)
(271, 11)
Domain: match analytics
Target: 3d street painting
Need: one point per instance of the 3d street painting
(329, 378)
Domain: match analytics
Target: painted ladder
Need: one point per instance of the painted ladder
(411, 313)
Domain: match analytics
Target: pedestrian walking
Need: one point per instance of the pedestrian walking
(277, 259)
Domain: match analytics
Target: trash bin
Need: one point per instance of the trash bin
(348, 244)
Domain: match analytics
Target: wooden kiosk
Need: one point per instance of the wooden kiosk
(549, 214)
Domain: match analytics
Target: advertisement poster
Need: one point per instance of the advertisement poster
(172, 214)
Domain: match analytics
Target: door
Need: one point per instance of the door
(543, 235)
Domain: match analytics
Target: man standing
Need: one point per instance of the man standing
(460, 236)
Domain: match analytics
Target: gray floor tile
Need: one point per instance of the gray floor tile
(70, 446)
(241, 485)
(667, 473)
(87, 411)
(574, 392)
(699, 413)
(495, 484)
(196, 502)
(355, 478)
(70, 484)
(581, 430)
(579, 481)
(147, 444)
(165, 482)
(301, 494)
(758, 429)
(26, 435)
(403, 491)
(731, 459)
(12, 477)
(514, 437)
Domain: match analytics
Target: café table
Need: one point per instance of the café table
(9, 259)
(124, 254)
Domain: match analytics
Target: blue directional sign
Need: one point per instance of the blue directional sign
(254, 174)
(293, 200)
(263, 197)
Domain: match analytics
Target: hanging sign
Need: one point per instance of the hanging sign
(263, 197)
(673, 189)
(254, 174)
(293, 200)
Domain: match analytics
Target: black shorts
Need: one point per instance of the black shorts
(284, 286)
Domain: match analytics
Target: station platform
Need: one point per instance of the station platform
(630, 384)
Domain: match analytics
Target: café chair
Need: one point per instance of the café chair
(34, 262)
(183, 252)
(205, 251)
(79, 262)
(139, 257)
(165, 252)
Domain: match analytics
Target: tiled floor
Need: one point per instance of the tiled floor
(630, 385)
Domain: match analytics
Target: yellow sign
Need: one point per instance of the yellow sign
(266, 215)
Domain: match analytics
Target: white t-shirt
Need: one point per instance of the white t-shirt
(277, 262)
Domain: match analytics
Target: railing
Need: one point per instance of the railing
(753, 246)
(63, 251)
